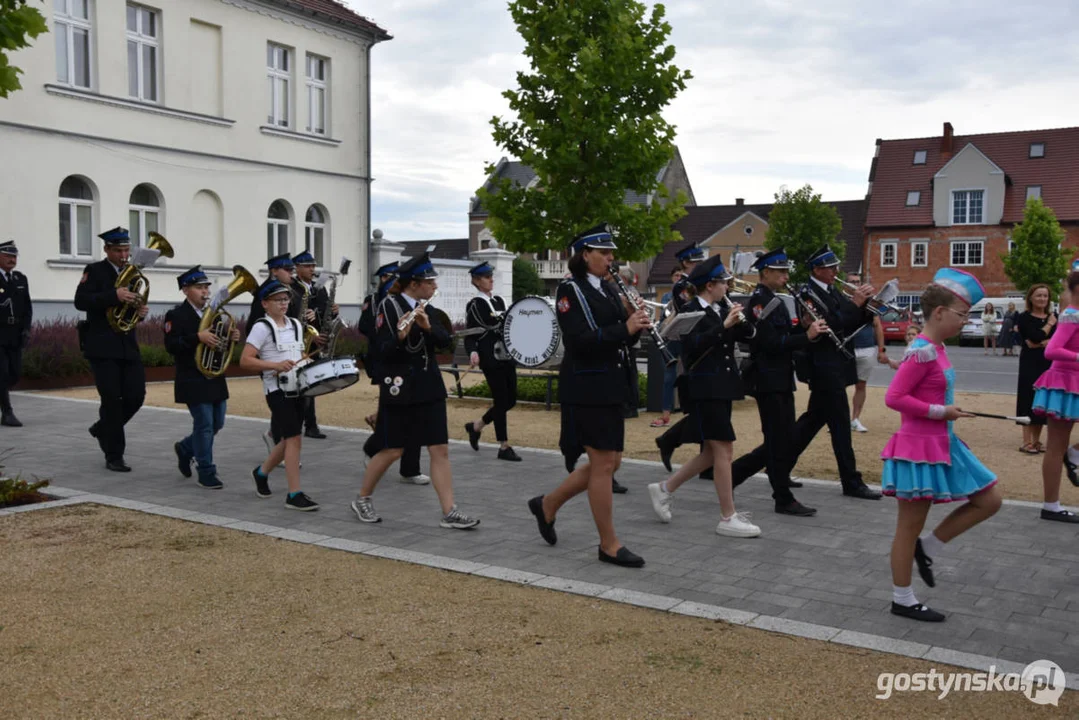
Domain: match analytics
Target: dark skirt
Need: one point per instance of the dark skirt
(600, 427)
(422, 425)
(708, 420)
(1032, 364)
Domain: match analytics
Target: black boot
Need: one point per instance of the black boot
(7, 416)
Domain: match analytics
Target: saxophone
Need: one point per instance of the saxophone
(309, 331)
(331, 325)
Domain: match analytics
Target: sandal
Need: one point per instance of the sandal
(660, 422)
(1029, 449)
(1039, 448)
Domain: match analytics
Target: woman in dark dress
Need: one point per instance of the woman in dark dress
(1035, 327)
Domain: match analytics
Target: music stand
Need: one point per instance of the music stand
(680, 324)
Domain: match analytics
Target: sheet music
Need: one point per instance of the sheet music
(144, 257)
(220, 297)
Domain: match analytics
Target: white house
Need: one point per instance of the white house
(238, 129)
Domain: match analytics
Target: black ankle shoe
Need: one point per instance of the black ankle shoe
(117, 465)
(623, 557)
(182, 462)
(314, 432)
(507, 453)
(618, 488)
(546, 529)
(9, 419)
(917, 612)
(473, 436)
(925, 564)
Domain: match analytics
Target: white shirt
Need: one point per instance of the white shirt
(410, 300)
(197, 311)
(819, 284)
(287, 347)
(596, 281)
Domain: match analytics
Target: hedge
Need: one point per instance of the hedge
(534, 388)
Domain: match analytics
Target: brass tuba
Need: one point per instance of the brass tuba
(214, 361)
(124, 317)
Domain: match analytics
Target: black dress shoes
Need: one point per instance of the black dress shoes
(1070, 468)
(862, 492)
(665, 455)
(182, 461)
(117, 465)
(546, 529)
(473, 436)
(925, 564)
(507, 453)
(796, 508)
(623, 557)
(1066, 516)
(917, 612)
(618, 488)
(794, 484)
(9, 419)
(314, 432)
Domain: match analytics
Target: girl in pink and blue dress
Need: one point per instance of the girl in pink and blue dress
(924, 462)
(1056, 395)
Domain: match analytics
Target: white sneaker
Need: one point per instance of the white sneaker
(737, 525)
(661, 502)
(857, 426)
(420, 479)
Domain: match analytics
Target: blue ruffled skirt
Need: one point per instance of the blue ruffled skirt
(966, 476)
(1056, 403)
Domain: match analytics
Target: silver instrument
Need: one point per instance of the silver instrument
(638, 302)
(408, 317)
(808, 306)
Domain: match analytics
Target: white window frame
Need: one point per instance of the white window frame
(1011, 245)
(884, 245)
(280, 85)
(274, 226)
(917, 198)
(924, 156)
(309, 230)
(73, 223)
(139, 233)
(1038, 193)
(141, 40)
(966, 243)
(914, 244)
(315, 86)
(64, 27)
(951, 206)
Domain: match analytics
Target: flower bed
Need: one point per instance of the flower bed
(534, 389)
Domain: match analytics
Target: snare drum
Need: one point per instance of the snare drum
(531, 333)
(320, 377)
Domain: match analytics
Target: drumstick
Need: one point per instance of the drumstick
(1021, 419)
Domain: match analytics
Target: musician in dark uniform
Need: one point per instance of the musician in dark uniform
(281, 269)
(114, 356)
(593, 383)
(16, 318)
(770, 378)
(831, 372)
(205, 397)
(711, 383)
(484, 312)
(412, 397)
(317, 307)
(409, 466)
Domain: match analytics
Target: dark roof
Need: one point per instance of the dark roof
(335, 12)
(703, 221)
(894, 174)
(448, 249)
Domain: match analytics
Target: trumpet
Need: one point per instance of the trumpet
(745, 287)
(807, 307)
(638, 302)
(408, 317)
(874, 304)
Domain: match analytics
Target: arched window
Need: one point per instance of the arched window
(277, 222)
(144, 214)
(314, 234)
(76, 217)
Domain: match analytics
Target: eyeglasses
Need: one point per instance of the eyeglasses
(964, 315)
(279, 299)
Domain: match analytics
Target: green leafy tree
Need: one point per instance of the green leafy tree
(19, 23)
(800, 223)
(588, 122)
(1038, 256)
(526, 279)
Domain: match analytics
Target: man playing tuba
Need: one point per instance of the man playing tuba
(114, 356)
(205, 397)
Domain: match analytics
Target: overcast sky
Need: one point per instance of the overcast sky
(784, 92)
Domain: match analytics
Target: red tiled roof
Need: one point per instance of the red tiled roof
(337, 12)
(894, 174)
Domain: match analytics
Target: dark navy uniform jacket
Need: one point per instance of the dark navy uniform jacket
(478, 314)
(95, 295)
(711, 372)
(407, 370)
(181, 340)
(772, 348)
(16, 310)
(828, 367)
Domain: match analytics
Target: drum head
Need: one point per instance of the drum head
(531, 333)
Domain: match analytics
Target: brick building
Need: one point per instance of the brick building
(952, 201)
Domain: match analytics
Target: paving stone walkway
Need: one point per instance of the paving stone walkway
(1010, 587)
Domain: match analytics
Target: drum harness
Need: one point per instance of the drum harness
(284, 347)
(500, 347)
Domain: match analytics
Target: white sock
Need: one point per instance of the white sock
(1073, 456)
(931, 544)
(904, 595)
(1053, 506)
(663, 486)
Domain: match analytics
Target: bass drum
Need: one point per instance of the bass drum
(531, 334)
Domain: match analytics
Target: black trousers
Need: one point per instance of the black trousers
(122, 387)
(502, 379)
(310, 422)
(10, 371)
(776, 411)
(826, 407)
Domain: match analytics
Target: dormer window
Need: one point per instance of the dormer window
(1034, 192)
(1037, 150)
(914, 198)
(919, 159)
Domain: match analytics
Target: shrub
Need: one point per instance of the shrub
(534, 388)
(16, 491)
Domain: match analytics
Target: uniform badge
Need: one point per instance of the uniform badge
(378, 323)
(387, 380)
(168, 326)
(395, 391)
(757, 310)
(366, 305)
(563, 304)
(684, 295)
(85, 277)
(397, 381)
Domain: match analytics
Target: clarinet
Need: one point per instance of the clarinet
(637, 301)
(807, 306)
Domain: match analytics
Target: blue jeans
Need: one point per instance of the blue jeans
(670, 374)
(209, 418)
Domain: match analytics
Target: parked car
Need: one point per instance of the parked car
(895, 325)
(972, 331)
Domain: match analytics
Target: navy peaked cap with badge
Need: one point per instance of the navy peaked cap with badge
(773, 259)
(280, 261)
(599, 237)
(709, 270)
(116, 236)
(387, 269)
(194, 276)
(824, 257)
(274, 287)
(483, 268)
(8, 248)
(418, 268)
(304, 258)
(690, 253)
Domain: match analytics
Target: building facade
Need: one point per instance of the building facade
(238, 129)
